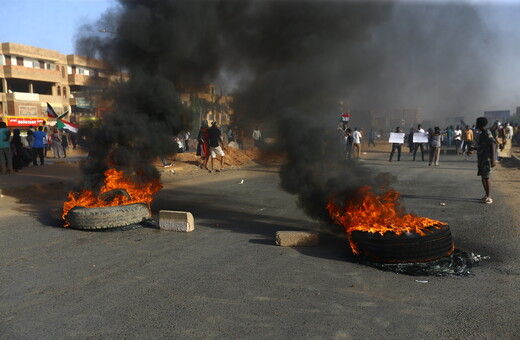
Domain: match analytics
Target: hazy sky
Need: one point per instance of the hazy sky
(53, 24)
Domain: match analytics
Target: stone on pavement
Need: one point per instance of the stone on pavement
(297, 238)
(176, 221)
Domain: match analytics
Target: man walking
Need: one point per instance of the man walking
(215, 142)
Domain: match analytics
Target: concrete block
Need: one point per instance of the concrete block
(297, 238)
(176, 221)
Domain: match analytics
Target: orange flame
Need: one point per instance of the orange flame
(139, 192)
(373, 213)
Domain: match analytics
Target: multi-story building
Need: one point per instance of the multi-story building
(31, 77)
(207, 104)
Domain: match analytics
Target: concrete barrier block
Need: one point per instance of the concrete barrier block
(297, 238)
(176, 221)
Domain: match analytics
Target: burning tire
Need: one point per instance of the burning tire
(107, 217)
(410, 247)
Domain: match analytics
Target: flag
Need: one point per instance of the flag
(63, 124)
(50, 112)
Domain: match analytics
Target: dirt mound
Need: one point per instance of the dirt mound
(233, 156)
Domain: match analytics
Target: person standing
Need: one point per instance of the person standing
(187, 136)
(505, 141)
(64, 143)
(348, 143)
(202, 145)
(215, 142)
(372, 137)
(17, 149)
(356, 136)
(435, 140)
(486, 160)
(6, 156)
(257, 136)
(457, 137)
(468, 140)
(410, 140)
(449, 135)
(57, 149)
(416, 146)
(396, 146)
(38, 145)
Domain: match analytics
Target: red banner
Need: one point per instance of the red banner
(24, 121)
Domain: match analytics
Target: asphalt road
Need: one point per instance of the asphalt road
(228, 280)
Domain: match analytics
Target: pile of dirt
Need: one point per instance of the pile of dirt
(238, 156)
(233, 157)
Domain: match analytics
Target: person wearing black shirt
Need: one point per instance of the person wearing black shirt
(215, 142)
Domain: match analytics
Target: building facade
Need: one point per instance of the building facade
(31, 77)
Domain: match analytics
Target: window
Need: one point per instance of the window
(8, 60)
(81, 71)
(57, 67)
(64, 92)
(19, 61)
(59, 91)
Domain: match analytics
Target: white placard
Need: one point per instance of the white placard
(396, 137)
(420, 137)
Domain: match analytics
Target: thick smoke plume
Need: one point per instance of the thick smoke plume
(292, 62)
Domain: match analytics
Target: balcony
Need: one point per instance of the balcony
(28, 73)
(84, 80)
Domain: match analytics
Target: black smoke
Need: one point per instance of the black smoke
(292, 62)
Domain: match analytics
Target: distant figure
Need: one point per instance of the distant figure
(419, 145)
(17, 149)
(231, 135)
(486, 160)
(468, 140)
(349, 141)
(64, 143)
(57, 148)
(507, 141)
(6, 156)
(202, 145)
(410, 140)
(187, 135)
(356, 135)
(39, 145)
(257, 136)
(372, 137)
(216, 143)
(30, 136)
(449, 135)
(435, 140)
(457, 137)
(396, 146)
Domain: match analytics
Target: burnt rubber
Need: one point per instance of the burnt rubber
(412, 247)
(107, 217)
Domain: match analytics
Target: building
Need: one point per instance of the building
(31, 77)
(205, 103)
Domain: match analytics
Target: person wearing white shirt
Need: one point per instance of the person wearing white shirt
(356, 136)
(457, 137)
(419, 145)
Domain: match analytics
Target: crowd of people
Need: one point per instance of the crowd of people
(17, 151)
(491, 144)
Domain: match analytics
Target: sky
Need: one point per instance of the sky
(53, 24)
(50, 24)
